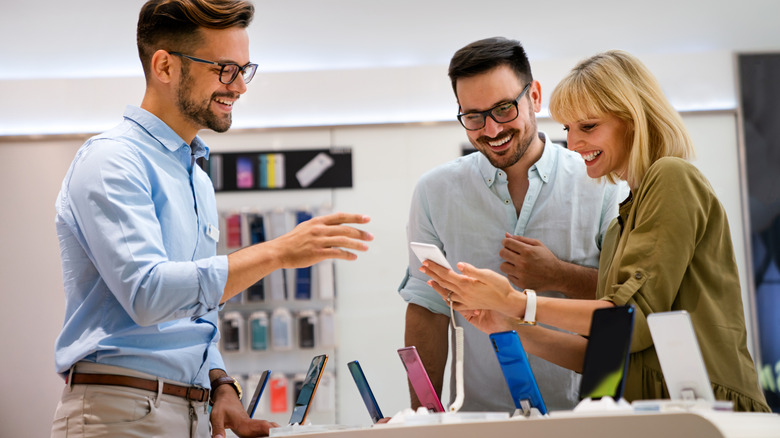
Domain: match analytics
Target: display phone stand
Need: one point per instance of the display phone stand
(525, 410)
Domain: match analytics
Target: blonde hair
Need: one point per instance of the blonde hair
(617, 83)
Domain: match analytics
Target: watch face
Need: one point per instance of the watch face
(238, 388)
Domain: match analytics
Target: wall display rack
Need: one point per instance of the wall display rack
(280, 170)
(280, 322)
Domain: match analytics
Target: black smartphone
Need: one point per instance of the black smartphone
(365, 391)
(606, 356)
(258, 393)
(303, 401)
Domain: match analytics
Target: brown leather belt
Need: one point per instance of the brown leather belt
(193, 393)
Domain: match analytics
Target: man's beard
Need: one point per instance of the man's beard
(509, 157)
(200, 112)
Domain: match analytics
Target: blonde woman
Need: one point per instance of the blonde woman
(669, 249)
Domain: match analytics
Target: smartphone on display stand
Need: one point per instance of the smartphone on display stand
(517, 372)
(257, 394)
(606, 356)
(680, 356)
(427, 251)
(309, 387)
(418, 377)
(365, 391)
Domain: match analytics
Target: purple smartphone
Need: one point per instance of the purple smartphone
(419, 378)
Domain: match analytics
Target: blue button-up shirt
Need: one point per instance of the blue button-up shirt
(464, 207)
(137, 225)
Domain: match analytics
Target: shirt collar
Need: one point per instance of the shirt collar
(543, 167)
(163, 133)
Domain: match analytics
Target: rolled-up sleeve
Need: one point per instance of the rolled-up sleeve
(414, 288)
(662, 233)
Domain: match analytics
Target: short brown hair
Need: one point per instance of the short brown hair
(485, 55)
(173, 24)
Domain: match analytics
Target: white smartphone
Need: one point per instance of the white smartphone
(678, 352)
(427, 251)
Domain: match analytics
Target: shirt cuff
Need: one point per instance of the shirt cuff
(416, 291)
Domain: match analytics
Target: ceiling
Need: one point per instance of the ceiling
(96, 38)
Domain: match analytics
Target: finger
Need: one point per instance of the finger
(469, 270)
(434, 267)
(344, 242)
(335, 253)
(522, 239)
(443, 291)
(344, 218)
(217, 427)
(327, 231)
(443, 281)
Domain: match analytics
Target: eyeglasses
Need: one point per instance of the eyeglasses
(229, 71)
(501, 113)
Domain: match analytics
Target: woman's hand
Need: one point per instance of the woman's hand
(489, 321)
(474, 289)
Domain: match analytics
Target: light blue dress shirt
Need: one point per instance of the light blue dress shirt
(464, 207)
(138, 227)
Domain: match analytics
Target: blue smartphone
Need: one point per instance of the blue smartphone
(258, 393)
(365, 391)
(517, 372)
(309, 387)
(606, 356)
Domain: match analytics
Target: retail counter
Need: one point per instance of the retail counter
(711, 424)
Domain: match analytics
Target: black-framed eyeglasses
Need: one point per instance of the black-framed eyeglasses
(502, 113)
(228, 71)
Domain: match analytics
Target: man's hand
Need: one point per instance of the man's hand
(321, 238)
(318, 239)
(228, 412)
(529, 264)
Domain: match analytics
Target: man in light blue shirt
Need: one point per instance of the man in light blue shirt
(521, 205)
(138, 230)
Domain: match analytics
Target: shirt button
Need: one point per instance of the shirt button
(638, 276)
(506, 201)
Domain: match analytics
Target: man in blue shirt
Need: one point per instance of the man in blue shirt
(138, 230)
(521, 205)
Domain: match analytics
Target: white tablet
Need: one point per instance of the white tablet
(680, 357)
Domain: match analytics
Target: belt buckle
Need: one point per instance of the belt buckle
(204, 395)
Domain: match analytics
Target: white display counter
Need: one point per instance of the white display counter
(590, 425)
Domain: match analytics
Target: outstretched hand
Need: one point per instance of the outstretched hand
(321, 238)
(529, 263)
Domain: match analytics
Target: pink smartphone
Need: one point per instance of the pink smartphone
(421, 384)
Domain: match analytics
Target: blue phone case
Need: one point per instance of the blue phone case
(517, 371)
(365, 391)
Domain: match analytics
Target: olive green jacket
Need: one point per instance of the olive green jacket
(670, 249)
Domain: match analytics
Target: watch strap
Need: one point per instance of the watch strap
(225, 380)
(530, 307)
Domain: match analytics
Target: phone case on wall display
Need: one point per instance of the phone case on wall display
(278, 392)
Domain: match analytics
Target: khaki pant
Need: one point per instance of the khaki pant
(87, 411)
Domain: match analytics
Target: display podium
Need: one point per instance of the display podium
(706, 424)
